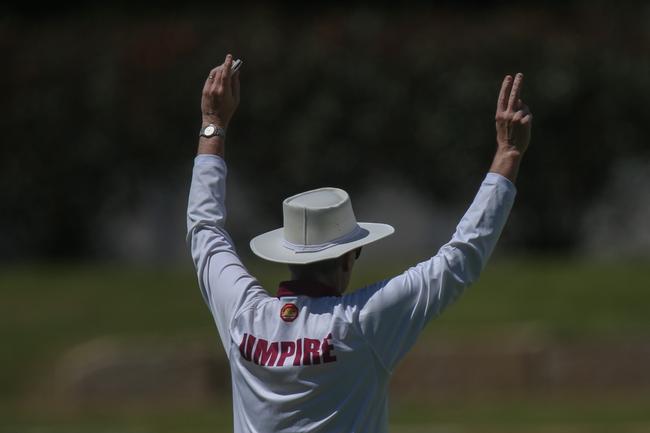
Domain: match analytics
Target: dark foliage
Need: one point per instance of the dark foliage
(99, 102)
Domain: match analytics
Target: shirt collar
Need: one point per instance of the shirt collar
(306, 288)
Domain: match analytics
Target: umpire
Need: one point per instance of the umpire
(312, 359)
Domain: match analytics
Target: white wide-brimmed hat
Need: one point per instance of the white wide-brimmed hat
(318, 225)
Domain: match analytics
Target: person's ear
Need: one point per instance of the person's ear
(348, 261)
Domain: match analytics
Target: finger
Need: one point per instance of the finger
(519, 114)
(519, 104)
(217, 84)
(227, 65)
(214, 74)
(505, 89)
(527, 119)
(514, 92)
(209, 80)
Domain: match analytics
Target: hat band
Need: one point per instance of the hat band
(356, 234)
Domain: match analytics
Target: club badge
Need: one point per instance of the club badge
(289, 312)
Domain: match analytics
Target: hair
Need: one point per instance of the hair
(324, 267)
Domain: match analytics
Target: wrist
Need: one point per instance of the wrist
(508, 153)
(214, 120)
(506, 163)
(212, 138)
(212, 146)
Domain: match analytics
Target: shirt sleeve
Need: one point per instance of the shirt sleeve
(222, 277)
(392, 313)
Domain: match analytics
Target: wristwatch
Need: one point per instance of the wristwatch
(212, 130)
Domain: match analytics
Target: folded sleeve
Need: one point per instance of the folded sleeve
(222, 277)
(392, 313)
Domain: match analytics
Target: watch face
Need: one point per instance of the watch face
(209, 130)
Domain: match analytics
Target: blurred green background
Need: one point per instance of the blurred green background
(103, 326)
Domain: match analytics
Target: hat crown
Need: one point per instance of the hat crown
(318, 216)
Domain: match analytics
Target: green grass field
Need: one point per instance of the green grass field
(47, 309)
(530, 415)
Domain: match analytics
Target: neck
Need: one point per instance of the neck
(330, 280)
(312, 289)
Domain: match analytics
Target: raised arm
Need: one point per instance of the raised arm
(395, 311)
(222, 277)
(466, 254)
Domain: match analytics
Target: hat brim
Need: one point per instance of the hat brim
(270, 245)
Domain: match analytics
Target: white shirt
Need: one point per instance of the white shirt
(323, 364)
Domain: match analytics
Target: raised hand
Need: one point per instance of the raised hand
(220, 96)
(513, 122)
(513, 118)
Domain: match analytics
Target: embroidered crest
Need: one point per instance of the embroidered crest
(289, 312)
